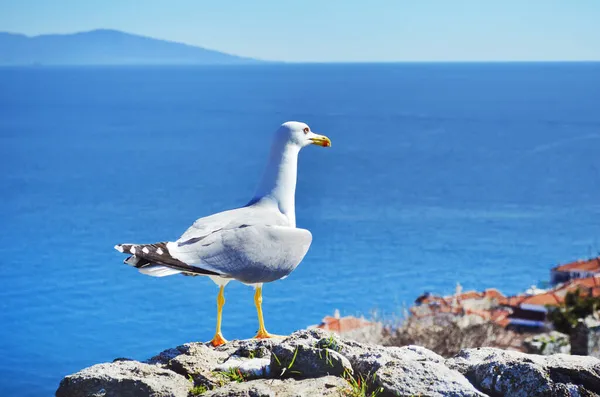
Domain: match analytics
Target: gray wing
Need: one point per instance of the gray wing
(251, 254)
(232, 219)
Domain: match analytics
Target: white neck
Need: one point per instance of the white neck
(279, 179)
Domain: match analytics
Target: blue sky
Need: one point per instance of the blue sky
(332, 30)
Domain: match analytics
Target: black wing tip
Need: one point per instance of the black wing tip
(126, 248)
(149, 254)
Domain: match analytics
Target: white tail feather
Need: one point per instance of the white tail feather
(158, 271)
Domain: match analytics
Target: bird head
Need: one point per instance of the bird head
(300, 134)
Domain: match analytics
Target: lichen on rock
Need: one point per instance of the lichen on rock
(510, 373)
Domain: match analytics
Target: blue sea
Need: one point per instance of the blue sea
(483, 174)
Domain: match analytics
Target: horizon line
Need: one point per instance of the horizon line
(260, 63)
(260, 60)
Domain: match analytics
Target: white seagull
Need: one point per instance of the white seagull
(254, 244)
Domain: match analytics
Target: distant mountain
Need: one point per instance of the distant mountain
(105, 47)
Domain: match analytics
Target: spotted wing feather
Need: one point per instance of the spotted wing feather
(147, 255)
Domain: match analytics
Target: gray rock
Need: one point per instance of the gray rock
(585, 336)
(255, 388)
(302, 355)
(327, 386)
(395, 371)
(204, 363)
(367, 358)
(406, 371)
(509, 373)
(303, 365)
(249, 368)
(412, 352)
(323, 386)
(193, 359)
(250, 348)
(124, 379)
(364, 358)
(548, 343)
(407, 377)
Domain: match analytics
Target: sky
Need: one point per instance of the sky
(336, 31)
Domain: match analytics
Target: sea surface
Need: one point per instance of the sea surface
(483, 174)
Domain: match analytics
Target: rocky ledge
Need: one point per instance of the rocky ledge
(315, 363)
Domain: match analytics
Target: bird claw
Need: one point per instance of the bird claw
(218, 340)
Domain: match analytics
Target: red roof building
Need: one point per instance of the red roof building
(478, 305)
(340, 325)
(531, 310)
(352, 327)
(575, 270)
(528, 310)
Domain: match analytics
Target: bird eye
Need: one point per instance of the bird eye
(306, 130)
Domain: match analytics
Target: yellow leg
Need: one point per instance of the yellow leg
(262, 331)
(218, 339)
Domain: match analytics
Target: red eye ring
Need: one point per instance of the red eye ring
(306, 129)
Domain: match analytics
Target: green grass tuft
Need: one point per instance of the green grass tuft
(359, 386)
(330, 343)
(233, 374)
(293, 358)
(196, 390)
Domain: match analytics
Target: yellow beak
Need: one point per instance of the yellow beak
(321, 140)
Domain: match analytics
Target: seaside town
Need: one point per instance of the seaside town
(523, 322)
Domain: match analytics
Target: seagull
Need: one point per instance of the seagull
(255, 244)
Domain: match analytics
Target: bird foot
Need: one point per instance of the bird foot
(262, 334)
(218, 340)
